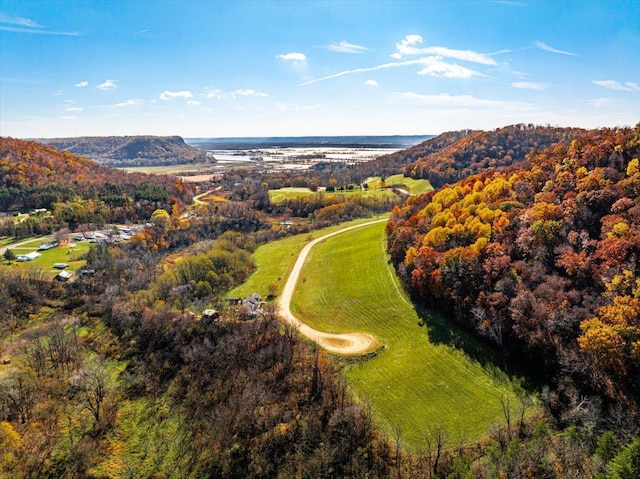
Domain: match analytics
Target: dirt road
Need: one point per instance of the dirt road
(344, 344)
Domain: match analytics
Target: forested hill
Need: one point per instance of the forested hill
(453, 156)
(541, 261)
(36, 176)
(130, 150)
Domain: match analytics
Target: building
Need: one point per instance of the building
(28, 257)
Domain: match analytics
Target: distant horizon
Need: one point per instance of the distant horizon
(255, 69)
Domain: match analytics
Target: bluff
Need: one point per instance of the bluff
(121, 151)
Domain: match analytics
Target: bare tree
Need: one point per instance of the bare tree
(91, 384)
(435, 439)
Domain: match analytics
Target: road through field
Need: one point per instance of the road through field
(344, 344)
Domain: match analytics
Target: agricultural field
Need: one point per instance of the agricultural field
(421, 379)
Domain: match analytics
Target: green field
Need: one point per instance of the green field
(415, 187)
(64, 254)
(413, 384)
(275, 260)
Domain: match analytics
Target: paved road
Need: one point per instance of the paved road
(13, 245)
(345, 344)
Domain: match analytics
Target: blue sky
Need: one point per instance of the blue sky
(214, 68)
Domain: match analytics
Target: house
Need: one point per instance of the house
(252, 304)
(60, 265)
(233, 301)
(28, 257)
(210, 315)
(63, 276)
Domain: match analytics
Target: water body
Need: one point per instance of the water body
(394, 142)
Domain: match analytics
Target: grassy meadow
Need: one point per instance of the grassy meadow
(420, 380)
(63, 254)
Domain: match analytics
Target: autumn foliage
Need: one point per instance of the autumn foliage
(37, 176)
(540, 260)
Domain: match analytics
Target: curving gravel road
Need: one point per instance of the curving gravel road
(344, 344)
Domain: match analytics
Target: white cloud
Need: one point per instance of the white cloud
(168, 94)
(26, 25)
(129, 103)
(453, 101)
(530, 85)
(547, 48)
(82, 84)
(219, 94)
(23, 22)
(67, 117)
(107, 85)
(247, 92)
(292, 57)
(384, 66)
(371, 83)
(193, 103)
(73, 108)
(430, 57)
(346, 47)
(407, 48)
(438, 68)
(614, 85)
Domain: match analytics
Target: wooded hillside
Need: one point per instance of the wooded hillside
(453, 156)
(37, 176)
(130, 150)
(542, 262)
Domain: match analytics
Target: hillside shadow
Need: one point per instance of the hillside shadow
(497, 365)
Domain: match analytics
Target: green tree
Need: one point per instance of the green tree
(9, 255)
(626, 465)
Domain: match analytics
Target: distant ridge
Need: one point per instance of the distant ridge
(130, 150)
(356, 141)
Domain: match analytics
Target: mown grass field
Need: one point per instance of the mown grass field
(415, 383)
(415, 187)
(275, 260)
(64, 254)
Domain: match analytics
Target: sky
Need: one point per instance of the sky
(311, 68)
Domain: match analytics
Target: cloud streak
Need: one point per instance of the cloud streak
(345, 47)
(431, 58)
(407, 47)
(547, 48)
(614, 85)
(26, 25)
